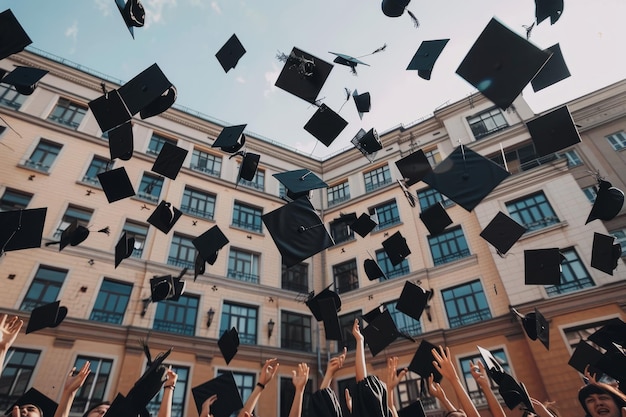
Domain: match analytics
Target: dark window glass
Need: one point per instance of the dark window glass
(16, 375)
(534, 212)
(198, 203)
(205, 162)
(97, 166)
(346, 276)
(295, 331)
(43, 156)
(177, 316)
(574, 275)
(93, 390)
(182, 252)
(243, 318)
(391, 271)
(386, 215)
(243, 266)
(68, 113)
(247, 217)
(449, 246)
(338, 194)
(377, 178)
(44, 289)
(466, 304)
(296, 278)
(112, 302)
(486, 123)
(150, 188)
(14, 200)
(156, 144)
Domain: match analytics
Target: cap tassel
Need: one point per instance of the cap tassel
(146, 350)
(416, 22)
(105, 230)
(528, 30)
(381, 49)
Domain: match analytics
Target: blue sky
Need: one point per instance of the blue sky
(182, 36)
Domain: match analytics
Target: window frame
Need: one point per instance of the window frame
(534, 205)
(377, 178)
(13, 199)
(47, 288)
(17, 377)
(98, 164)
(15, 102)
(118, 294)
(48, 150)
(245, 319)
(68, 111)
(147, 185)
(156, 142)
(72, 213)
(387, 214)
(453, 236)
(176, 316)
(182, 244)
(304, 341)
(391, 271)
(236, 257)
(477, 395)
(193, 199)
(617, 140)
(247, 217)
(482, 119)
(571, 280)
(341, 272)
(300, 277)
(466, 314)
(94, 379)
(139, 232)
(201, 160)
(179, 396)
(257, 182)
(339, 193)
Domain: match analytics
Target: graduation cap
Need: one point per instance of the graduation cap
(514, 393)
(248, 166)
(209, 243)
(47, 405)
(435, 218)
(415, 409)
(21, 229)
(611, 363)
(608, 203)
(373, 270)
(493, 365)
(424, 59)
(395, 8)
(48, 315)
(167, 287)
(502, 232)
(466, 177)
(199, 266)
(381, 330)
(144, 89)
(124, 248)
(363, 225)
(422, 362)
(73, 235)
(170, 160)
(160, 104)
(121, 142)
(300, 181)
(133, 14)
(396, 248)
(553, 131)
(414, 167)
(348, 218)
(413, 300)
(328, 311)
(110, 110)
(363, 102)
(228, 396)
(548, 8)
(228, 344)
(536, 326)
(230, 54)
(325, 125)
(150, 382)
(368, 143)
(347, 60)
(313, 302)
(13, 37)
(24, 79)
(554, 71)
(230, 139)
(605, 254)
(165, 216)
(303, 74)
(116, 184)
(542, 266)
(584, 355)
(611, 334)
(501, 63)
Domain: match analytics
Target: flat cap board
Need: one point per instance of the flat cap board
(325, 125)
(21, 229)
(303, 75)
(553, 131)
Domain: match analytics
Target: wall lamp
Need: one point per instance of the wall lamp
(270, 328)
(210, 314)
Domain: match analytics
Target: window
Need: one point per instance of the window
(377, 178)
(178, 396)
(487, 123)
(98, 165)
(572, 158)
(408, 391)
(243, 266)
(466, 304)
(287, 392)
(139, 232)
(205, 162)
(43, 156)
(19, 366)
(245, 382)
(150, 188)
(177, 316)
(73, 213)
(244, 318)
(429, 197)
(295, 331)
(14, 200)
(590, 193)
(9, 97)
(112, 302)
(156, 144)
(406, 324)
(433, 157)
(295, 278)
(617, 140)
(346, 276)
(448, 246)
(574, 275)
(68, 113)
(198, 203)
(346, 321)
(620, 237)
(93, 390)
(258, 182)
(44, 289)
(391, 271)
(386, 215)
(521, 159)
(534, 212)
(340, 231)
(182, 252)
(247, 217)
(474, 391)
(282, 190)
(338, 193)
(576, 334)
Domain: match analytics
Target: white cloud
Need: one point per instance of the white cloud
(104, 6)
(240, 80)
(72, 33)
(216, 7)
(270, 79)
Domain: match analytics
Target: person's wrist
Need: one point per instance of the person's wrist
(170, 386)
(260, 385)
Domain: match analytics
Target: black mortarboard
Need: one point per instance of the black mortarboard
(368, 143)
(73, 235)
(160, 104)
(553, 131)
(348, 218)
(209, 243)
(347, 60)
(133, 13)
(466, 177)
(199, 266)
(542, 266)
(300, 180)
(328, 311)
(313, 302)
(536, 326)
(613, 332)
(502, 232)
(554, 71)
(422, 362)
(514, 393)
(381, 330)
(24, 79)
(414, 167)
(608, 203)
(179, 286)
(161, 288)
(396, 248)
(116, 184)
(325, 125)
(110, 111)
(492, 364)
(605, 254)
(13, 37)
(435, 218)
(230, 139)
(170, 160)
(47, 406)
(584, 355)
(501, 63)
(415, 409)
(165, 216)
(424, 59)
(363, 225)
(48, 315)
(122, 407)
(149, 384)
(146, 87)
(363, 102)
(372, 270)
(248, 167)
(413, 300)
(548, 8)
(303, 75)
(121, 142)
(228, 344)
(230, 53)
(228, 396)
(124, 248)
(21, 229)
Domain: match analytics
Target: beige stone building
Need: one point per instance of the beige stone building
(52, 150)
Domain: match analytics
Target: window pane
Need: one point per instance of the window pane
(242, 317)
(377, 178)
(295, 331)
(206, 163)
(466, 304)
(243, 266)
(534, 212)
(177, 316)
(346, 276)
(198, 203)
(574, 275)
(14, 200)
(150, 188)
(44, 289)
(17, 372)
(247, 217)
(68, 113)
(449, 246)
(43, 156)
(97, 166)
(112, 302)
(296, 278)
(93, 390)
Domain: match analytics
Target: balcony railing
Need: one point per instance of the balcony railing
(69, 123)
(451, 257)
(13, 104)
(242, 276)
(91, 180)
(107, 317)
(253, 227)
(387, 223)
(36, 165)
(205, 170)
(371, 186)
(338, 200)
(251, 184)
(469, 318)
(195, 212)
(294, 286)
(148, 197)
(181, 263)
(172, 327)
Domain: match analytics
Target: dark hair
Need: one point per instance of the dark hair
(590, 389)
(93, 407)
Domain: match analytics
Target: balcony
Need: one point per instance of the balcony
(60, 120)
(451, 257)
(205, 170)
(148, 197)
(36, 165)
(242, 276)
(180, 263)
(195, 212)
(469, 318)
(369, 187)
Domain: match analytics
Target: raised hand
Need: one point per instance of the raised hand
(300, 377)
(9, 328)
(75, 380)
(444, 364)
(356, 331)
(171, 378)
(269, 370)
(206, 406)
(479, 374)
(393, 376)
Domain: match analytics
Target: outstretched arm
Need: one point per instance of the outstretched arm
(393, 379)
(165, 409)
(206, 406)
(299, 380)
(443, 363)
(436, 391)
(359, 361)
(481, 378)
(267, 374)
(609, 387)
(9, 328)
(72, 385)
(333, 366)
